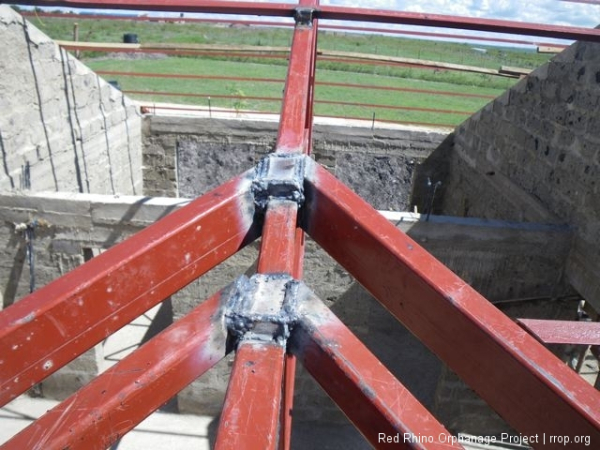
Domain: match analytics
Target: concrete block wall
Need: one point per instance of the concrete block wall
(531, 155)
(189, 156)
(534, 155)
(62, 128)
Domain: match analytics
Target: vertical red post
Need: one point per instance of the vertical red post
(282, 251)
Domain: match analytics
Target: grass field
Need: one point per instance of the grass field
(327, 71)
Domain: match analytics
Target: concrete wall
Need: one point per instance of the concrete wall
(531, 155)
(62, 128)
(187, 157)
(534, 155)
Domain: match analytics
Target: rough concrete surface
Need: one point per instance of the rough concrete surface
(533, 154)
(62, 127)
(377, 164)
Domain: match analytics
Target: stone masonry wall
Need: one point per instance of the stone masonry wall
(188, 156)
(534, 155)
(531, 155)
(62, 128)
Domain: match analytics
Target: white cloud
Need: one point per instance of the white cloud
(539, 11)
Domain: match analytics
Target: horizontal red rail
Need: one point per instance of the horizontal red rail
(266, 23)
(187, 77)
(401, 64)
(275, 99)
(563, 331)
(336, 13)
(276, 80)
(168, 51)
(187, 94)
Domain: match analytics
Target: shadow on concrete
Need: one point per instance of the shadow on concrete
(40, 103)
(69, 72)
(430, 179)
(103, 113)
(5, 162)
(12, 286)
(64, 62)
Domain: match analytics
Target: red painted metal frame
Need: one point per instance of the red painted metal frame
(113, 73)
(281, 252)
(522, 381)
(49, 328)
(98, 415)
(335, 13)
(563, 331)
(285, 24)
(482, 345)
(372, 398)
(250, 417)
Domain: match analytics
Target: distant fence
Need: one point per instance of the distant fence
(200, 96)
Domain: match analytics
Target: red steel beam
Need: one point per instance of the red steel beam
(202, 95)
(372, 398)
(294, 112)
(99, 414)
(336, 13)
(262, 370)
(458, 22)
(278, 245)
(286, 24)
(49, 328)
(180, 76)
(563, 331)
(113, 73)
(527, 385)
(167, 51)
(319, 102)
(295, 135)
(250, 417)
(186, 6)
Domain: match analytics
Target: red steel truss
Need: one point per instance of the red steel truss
(273, 318)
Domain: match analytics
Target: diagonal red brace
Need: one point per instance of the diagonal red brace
(383, 410)
(49, 328)
(98, 415)
(527, 385)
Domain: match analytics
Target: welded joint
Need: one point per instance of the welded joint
(262, 308)
(279, 176)
(304, 16)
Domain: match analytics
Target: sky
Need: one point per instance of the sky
(539, 11)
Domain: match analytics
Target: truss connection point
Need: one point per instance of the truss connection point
(262, 308)
(304, 16)
(279, 176)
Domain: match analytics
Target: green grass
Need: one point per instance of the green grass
(366, 74)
